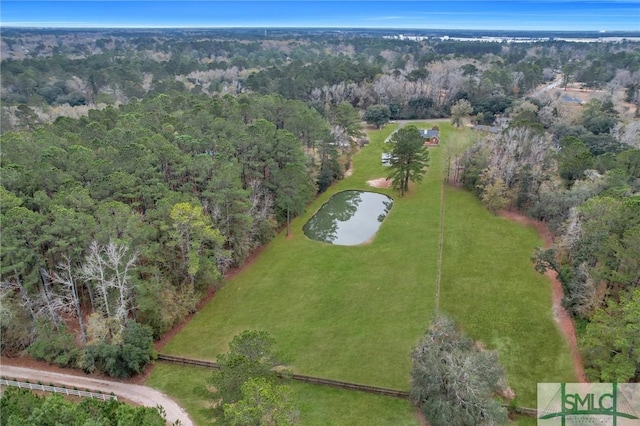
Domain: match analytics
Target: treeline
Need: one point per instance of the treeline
(133, 213)
(583, 180)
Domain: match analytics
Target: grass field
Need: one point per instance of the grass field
(354, 313)
(490, 287)
(349, 313)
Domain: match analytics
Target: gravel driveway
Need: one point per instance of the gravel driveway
(142, 395)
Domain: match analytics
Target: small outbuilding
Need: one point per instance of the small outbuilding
(571, 100)
(489, 129)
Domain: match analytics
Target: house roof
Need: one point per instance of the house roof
(429, 133)
(571, 99)
(483, 128)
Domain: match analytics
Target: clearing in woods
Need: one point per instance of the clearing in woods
(354, 313)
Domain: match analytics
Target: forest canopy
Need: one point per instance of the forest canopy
(142, 209)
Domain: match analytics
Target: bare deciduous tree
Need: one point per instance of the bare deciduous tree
(27, 301)
(108, 268)
(69, 295)
(459, 111)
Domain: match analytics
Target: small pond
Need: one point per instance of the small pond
(349, 218)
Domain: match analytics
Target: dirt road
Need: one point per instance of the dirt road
(142, 395)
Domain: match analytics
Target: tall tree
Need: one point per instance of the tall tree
(378, 115)
(251, 356)
(293, 190)
(494, 192)
(459, 111)
(409, 157)
(452, 381)
(196, 239)
(107, 269)
(574, 159)
(290, 178)
(611, 342)
(64, 277)
(347, 117)
(263, 404)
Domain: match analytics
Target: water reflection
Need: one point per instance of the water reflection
(387, 206)
(349, 218)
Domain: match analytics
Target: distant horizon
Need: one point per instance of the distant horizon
(293, 27)
(482, 15)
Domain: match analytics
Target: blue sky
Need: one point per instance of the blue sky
(568, 15)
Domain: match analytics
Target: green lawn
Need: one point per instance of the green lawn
(354, 313)
(348, 313)
(490, 287)
(317, 404)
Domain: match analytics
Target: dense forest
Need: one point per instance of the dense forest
(139, 166)
(139, 210)
(47, 73)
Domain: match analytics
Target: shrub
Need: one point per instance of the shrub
(123, 359)
(54, 346)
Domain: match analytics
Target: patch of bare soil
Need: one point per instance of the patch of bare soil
(560, 314)
(575, 90)
(380, 183)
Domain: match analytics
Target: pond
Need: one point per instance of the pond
(349, 218)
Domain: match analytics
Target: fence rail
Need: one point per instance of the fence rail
(298, 377)
(55, 389)
(188, 361)
(355, 386)
(532, 412)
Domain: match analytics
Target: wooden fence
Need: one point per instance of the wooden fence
(298, 377)
(532, 412)
(55, 389)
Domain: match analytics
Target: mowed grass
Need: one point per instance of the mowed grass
(490, 287)
(355, 313)
(348, 313)
(318, 405)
